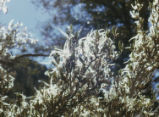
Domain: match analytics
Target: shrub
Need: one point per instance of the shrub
(83, 81)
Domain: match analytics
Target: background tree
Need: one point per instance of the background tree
(93, 14)
(28, 73)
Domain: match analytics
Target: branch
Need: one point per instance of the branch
(11, 62)
(29, 55)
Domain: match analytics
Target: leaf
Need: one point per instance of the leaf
(121, 46)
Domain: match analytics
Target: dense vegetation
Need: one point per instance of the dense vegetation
(87, 78)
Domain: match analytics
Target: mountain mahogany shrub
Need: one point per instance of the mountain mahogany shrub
(84, 68)
(135, 79)
(132, 85)
(82, 82)
(80, 72)
(12, 37)
(6, 83)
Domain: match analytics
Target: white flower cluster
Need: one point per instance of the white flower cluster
(3, 6)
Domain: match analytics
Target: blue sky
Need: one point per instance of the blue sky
(27, 13)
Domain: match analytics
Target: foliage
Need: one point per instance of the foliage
(93, 14)
(14, 38)
(27, 75)
(83, 81)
